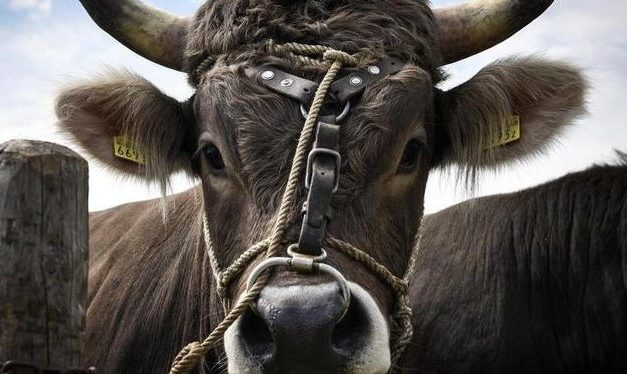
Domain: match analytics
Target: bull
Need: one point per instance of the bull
(157, 269)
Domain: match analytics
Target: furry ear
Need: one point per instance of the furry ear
(546, 96)
(121, 103)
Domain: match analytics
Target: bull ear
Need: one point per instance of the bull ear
(153, 129)
(476, 127)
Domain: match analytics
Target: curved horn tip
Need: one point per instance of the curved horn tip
(147, 31)
(472, 27)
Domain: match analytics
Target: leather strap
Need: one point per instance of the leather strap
(341, 90)
(324, 161)
(288, 84)
(323, 167)
(355, 82)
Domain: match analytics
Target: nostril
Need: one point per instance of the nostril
(352, 331)
(255, 335)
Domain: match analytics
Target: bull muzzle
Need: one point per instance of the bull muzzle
(297, 328)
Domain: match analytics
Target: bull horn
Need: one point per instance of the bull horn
(149, 32)
(467, 29)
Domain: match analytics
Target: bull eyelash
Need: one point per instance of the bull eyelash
(203, 141)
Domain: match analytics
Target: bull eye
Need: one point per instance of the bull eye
(410, 158)
(213, 157)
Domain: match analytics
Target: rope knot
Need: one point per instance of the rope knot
(221, 287)
(333, 55)
(271, 47)
(403, 313)
(400, 286)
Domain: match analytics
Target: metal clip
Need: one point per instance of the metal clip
(303, 263)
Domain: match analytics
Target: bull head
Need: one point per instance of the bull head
(237, 137)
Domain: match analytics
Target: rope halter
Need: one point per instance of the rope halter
(307, 254)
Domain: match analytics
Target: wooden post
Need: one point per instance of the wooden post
(43, 253)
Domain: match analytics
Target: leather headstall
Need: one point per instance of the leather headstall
(324, 161)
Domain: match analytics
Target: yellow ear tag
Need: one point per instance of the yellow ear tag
(124, 148)
(509, 133)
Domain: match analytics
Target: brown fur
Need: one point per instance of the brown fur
(526, 282)
(402, 28)
(146, 292)
(150, 284)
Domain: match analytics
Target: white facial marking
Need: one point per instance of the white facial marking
(375, 357)
(240, 361)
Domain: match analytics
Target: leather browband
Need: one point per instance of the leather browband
(341, 90)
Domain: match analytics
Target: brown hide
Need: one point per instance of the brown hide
(526, 282)
(147, 284)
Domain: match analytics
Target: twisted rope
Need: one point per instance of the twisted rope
(189, 356)
(402, 328)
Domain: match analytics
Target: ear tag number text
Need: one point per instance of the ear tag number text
(124, 148)
(509, 133)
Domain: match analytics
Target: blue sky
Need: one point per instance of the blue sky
(48, 42)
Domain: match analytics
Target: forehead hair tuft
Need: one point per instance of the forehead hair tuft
(232, 28)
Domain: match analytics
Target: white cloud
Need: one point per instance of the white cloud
(33, 7)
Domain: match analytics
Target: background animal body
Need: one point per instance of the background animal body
(536, 277)
(48, 42)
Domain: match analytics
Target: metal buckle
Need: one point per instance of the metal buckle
(338, 165)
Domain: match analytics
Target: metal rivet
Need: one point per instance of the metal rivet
(374, 70)
(355, 81)
(267, 75)
(287, 82)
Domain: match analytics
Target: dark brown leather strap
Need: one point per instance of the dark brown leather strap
(322, 179)
(341, 90)
(324, 160)
(287, 84)
(356, 81)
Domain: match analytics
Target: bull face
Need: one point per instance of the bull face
(238, 138)
(249, 136)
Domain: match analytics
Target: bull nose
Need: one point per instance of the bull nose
(304, 329)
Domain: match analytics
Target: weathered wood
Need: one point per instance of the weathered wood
(43, 253)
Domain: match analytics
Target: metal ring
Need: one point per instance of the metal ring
(292, 252)
(304, 112)
(265, 264)
(343, 284)
(286, 261)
